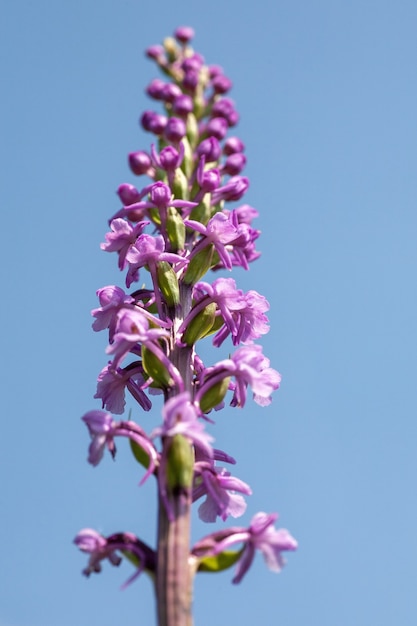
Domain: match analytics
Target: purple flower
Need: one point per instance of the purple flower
(219, 487)
(233, 190)
(128, 194)
(149, 250)
(243, 314)
(210, 149)
(249, 367)
(261, 535)
(221, 84)
(139, 162)
(234, 164)
(101, 428)
(182, 105)
(94, 544)
(184, 34)
(233, 145)
(269, 541)
(122, 237)
(155, 89)
(153, 122)
(100, 548)
(112, 299)
(169, 158)
(132, 329)
(180, 418)
(160, 197)
(111, 387)
(252, 368)
(175, 129)
(219, 231)
(225, 107)
(217, 127)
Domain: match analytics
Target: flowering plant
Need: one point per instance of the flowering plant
(172, 232)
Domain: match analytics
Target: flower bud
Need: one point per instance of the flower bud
(232, 145)
(210, 148)
(183, 105)
(184, 34)
(139, 162)
(155, 89)
(128, 194)
(175, 129)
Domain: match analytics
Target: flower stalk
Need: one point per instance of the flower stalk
(172, 232)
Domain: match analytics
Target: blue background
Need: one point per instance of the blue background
(328, 99)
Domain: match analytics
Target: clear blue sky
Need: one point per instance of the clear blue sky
(327, 94)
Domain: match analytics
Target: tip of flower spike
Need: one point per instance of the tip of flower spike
(184, 34)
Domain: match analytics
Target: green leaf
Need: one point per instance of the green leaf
(220, 562)
(139, 454)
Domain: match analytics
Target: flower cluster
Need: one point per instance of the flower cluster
(170, 231)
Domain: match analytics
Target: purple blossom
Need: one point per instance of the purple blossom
(210, 149)
(224, 107)
(153, 122)
(234, 164)
(221, 84)
(132, 329)
(219, 487)
(219, 231)
(181, 418)
(112, 383)
(171, 92)
(160, 197)
(139, 162)
(155, 89)
(112, 299)
(100, 548)
(233, 190)
(243, 314)
(94, 544)
(261, 535)
(169, 158)
(128, 194)
(175, 129)
(122, 237)
(269, 541)
(216, 127)
(103, 429)
(182, 105)
(184, 34)
(249, 367)
(233, 145)
(252, 368)
(148, 250)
